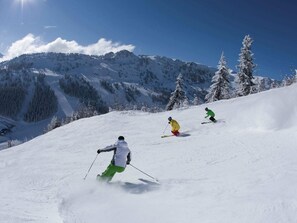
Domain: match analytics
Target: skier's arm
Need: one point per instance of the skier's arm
(107, 149)
(128, 158)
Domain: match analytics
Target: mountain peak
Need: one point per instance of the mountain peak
(125, 54)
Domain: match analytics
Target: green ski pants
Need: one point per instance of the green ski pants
(110, 171)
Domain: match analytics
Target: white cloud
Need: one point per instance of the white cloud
(33, 44)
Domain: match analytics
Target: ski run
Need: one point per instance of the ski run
(241, 170)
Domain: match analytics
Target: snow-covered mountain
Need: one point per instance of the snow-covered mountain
(120, 78)
(36, 87)
(53, 84)
(241, 169)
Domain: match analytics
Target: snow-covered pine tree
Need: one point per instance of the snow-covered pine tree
(261, 86)
(196, 100)
(185, 103)
(246, 66)
(220, 88)
(55, 122)
(288, 80)
(274, 84)
(144, 108)
(178, 96)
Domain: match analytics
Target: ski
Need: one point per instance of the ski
(183, 135)
(180, 135)
(205, 123)
(217, 121)
(149, 181)
(164, 136)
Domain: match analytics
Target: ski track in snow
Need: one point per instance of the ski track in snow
(66, 107)
(226, 172)
(62, 100)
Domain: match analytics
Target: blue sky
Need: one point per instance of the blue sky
(197, 30)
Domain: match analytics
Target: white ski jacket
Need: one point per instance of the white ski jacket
(121, 155)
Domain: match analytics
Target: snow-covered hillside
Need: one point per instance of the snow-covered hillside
(74, 81)
(120, 78)
(241, 169)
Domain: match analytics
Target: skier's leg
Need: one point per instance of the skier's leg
(111, 170)
(175, 132)
(119, 169)
(212, 119)
(108, 174)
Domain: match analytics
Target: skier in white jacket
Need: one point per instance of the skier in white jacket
(121, 158)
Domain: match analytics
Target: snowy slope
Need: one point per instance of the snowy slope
(242, 169)
(122, 80)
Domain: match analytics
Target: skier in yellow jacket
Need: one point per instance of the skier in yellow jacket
(174, 125)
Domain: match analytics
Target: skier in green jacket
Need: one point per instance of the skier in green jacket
(210, 114)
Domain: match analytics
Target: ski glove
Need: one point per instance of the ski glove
(98, 151)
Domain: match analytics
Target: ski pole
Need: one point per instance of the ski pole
(165, 128)
(144, 172)
(91, 166)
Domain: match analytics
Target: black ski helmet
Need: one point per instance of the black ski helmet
(169, 119)
(121, 138)
(206, 109)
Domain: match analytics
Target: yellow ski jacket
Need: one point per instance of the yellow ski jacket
(174, 125)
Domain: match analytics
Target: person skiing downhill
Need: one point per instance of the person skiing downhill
(174, 125)
(210, 114)
(121, 158)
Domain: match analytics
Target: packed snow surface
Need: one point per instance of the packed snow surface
(241, 169)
